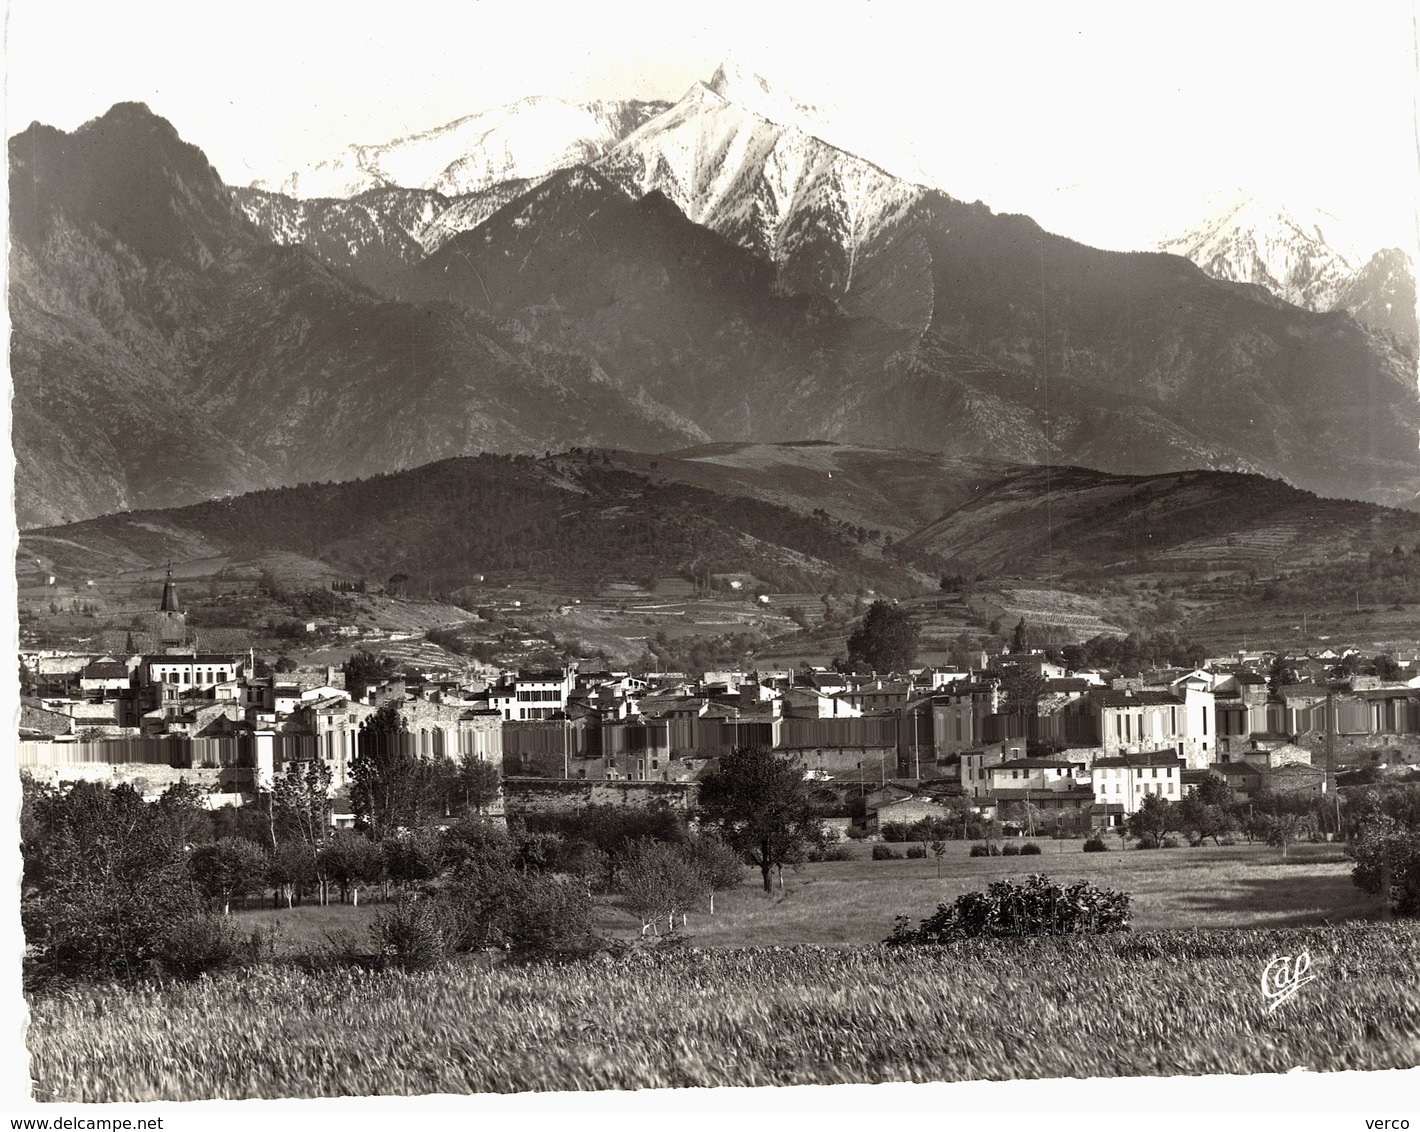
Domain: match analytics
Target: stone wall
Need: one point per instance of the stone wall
(149, 778)
(838, 760)
(549, 796)
(1394, 749)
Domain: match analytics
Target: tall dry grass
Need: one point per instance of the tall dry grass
(1154, 1003)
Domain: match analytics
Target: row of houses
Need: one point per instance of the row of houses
(1088, 739)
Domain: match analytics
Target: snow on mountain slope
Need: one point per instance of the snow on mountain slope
(343, 176)
(1300, 255)
(773, 188)
(523, 140)
(829, 124)
(467, 212)
(1381, 295)
(776, 175)
(377, 235)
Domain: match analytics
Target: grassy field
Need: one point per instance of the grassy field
(1154, 1003)
(855, 902)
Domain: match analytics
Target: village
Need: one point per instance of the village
(1080, 754)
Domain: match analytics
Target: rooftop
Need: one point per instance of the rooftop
(1146, 697)
(1144, 758)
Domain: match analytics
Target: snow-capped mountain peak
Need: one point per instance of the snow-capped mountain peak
(1300, 254)
(769, 183)
(522, 140)
(750, 91)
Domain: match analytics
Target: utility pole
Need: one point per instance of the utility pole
(916, 754)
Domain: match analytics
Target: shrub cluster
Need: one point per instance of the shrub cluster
(1030, 849)
(985, 851)
(830, 853)
(886, 853)
(1387, 856)
(1038, 906)
(1095, 844)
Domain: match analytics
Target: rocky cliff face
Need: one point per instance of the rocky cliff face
(164, 352)
(719, 272)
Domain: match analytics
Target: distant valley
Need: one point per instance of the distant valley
(812, 519)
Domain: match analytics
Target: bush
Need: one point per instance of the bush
(1148, 841)
(1227, 841)
(1387, 859)
(1010, 849)
(833, 853)
(856, 833)
(895, 831)
(411, 934)
(487, 904)
(105, 882)
(916, 852)
(1171, 842)
(885, 853)
(200, 945)
(1030, 849)
(985, 851)
(1036, 907)
(1095, 844)
(548, 914)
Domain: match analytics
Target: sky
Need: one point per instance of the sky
(1109, 122)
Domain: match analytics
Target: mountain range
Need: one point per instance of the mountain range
(1303, 256)
(631, 275)
(165, 352)
(804, 517)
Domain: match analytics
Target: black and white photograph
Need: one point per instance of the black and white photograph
(855, 558)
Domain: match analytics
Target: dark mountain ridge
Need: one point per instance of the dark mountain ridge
(163, 351)
(590, 516)
(1145, 364)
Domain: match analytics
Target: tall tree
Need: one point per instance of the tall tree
(886, 641)
(1153, 818)
(1021, 690)
(365, 669)
(1201, 819)
(479, 780)
(659, 881)
(301, 802)
(228, 868)
(388, 781)
(105, 880)
(759, 803)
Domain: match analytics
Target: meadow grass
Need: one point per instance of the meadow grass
(1151, 1003)
(855, 902)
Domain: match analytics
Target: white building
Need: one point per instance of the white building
(1126, 780)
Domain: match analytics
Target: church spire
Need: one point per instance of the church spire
(170, 598)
